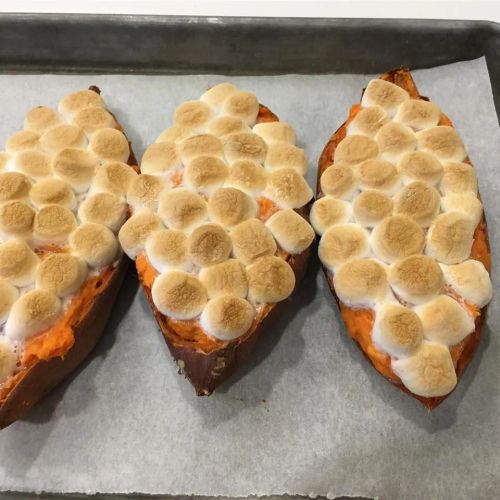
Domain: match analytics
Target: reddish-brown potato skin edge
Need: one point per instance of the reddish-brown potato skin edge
(206, 371)
(44, 375)
(402, 77)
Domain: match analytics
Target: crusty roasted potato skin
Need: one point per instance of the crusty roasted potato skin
(402, 77)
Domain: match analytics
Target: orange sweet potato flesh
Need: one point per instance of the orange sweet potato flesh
(52, 355)
(205, 361)
(359, 322)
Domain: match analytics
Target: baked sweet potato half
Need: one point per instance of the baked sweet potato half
(404, 242)
(219, 233)
(62, 201)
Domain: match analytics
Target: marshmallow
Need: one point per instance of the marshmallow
(442, 141)
(110, 144)
(18, 263)
(179, 295)
(291, 231)
(94, 243)
(209, 244)
(33, 312)
(134, 233)
(384, 94)
(227, 317)
(167, 249)
(228, 277)
(270, 279)
(230, 206)
(251, 240)
(429, 372)
(287, 188)
(328, 211)
(104, 208)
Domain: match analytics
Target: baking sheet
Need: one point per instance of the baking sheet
(308, 415)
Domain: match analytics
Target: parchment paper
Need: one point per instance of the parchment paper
(308, 415)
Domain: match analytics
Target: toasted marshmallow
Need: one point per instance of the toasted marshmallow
(32, 163)
(471, 280)
(61, 273)
(104, 208)
(394, 139)
(144, 191)
(384, 94)
(13, 186)
(18, 262)
(273, 132)
(429, 372)
(134, 233)
(368, 121)
(396, 237)
(355, 149)
(16, 219)
(361, 282)
(193, 114)
(248, 176)
(179, 295)
(227, 317)
(205, 173)
(251, 240)
(230, 206)
(176, 133)
(92, 119)
(160, 157)
(245, 146)
(113, 177)
(442, 141)
(41, 118)
(370, 207)
(25, 139)
(458, 178)
(76, 167)
(110, 144)
(243, 105)
(52, 192)
(450, 237)
(282, 154)
(328, 211)
(342, 242)
(270, 279)
(291, 231)
(182, 209)
(397, 330)
(378, 174)
(445, 320)
(94, 243)
(8, 295)
(81, 99)
(4, 160)
(32, 313)
(62, 136)
(420, 166)
(228, 277)
(416, 279)
(209, 244)
(8, 360)
(167, 249)
(418, 114)
(287, 188)
(418, 200)
(217, 94)
(53, 224)
(468, 204)
(222, 126)
(200, 145)
(339, 180)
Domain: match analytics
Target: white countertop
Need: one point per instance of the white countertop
(438, 9)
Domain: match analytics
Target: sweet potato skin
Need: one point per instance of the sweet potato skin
(402, 77)
(40, 378)
(206, 371)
